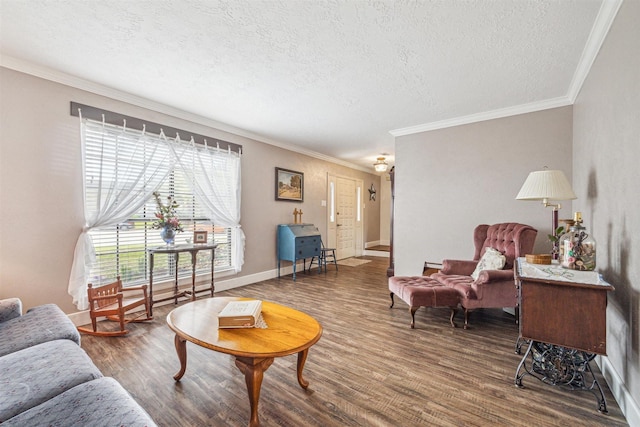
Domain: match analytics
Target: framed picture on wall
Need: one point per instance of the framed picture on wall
(199, 237)
(289, 185)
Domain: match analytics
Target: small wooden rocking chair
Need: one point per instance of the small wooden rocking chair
(109, 301)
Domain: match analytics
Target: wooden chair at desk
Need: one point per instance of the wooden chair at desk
(321, 260)
(109, 301)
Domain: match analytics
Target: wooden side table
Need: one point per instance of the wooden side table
(176, 250)
(431, 267)
(563, 322)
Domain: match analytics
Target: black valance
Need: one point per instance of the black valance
(118, 119)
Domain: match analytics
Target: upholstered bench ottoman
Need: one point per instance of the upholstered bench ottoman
(422, 291)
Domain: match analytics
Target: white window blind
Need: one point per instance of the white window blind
(121, 249)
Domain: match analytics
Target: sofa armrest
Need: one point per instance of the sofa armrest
(496, 288)
(10, 308)
(488, 276)
(459, 267)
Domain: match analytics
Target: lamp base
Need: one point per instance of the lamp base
(554, 228)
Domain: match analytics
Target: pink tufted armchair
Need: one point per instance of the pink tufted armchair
(492, 288)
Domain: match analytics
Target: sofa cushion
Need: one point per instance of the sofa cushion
(491, 260)
(98, 403)
(38, 325)
(34, 375)
(10, 308)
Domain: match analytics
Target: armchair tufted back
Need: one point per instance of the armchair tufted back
(513, 240)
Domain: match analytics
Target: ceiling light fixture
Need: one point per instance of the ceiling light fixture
(380, 165)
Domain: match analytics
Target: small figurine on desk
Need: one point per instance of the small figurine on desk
(297, 212)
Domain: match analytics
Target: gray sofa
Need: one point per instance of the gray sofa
(47, 379)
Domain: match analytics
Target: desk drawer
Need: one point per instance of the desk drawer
(307, 247)
(308, 241)
(307, 251)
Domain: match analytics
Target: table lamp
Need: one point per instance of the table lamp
(547, 185)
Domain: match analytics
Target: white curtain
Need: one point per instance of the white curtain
(215, 177)
(124, 172)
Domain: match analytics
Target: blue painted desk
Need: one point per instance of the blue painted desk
(297, 241)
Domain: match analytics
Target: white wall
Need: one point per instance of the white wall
(450, 180)
(41, 189)
(606, 154)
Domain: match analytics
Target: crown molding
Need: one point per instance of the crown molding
(100, 89)
(484, 116)
(601, 26)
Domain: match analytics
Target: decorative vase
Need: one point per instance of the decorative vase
(168, 234)
(577, 248)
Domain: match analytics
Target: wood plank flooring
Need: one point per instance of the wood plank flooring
(368, 369)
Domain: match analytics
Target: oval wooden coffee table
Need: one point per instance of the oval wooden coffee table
(289, 331)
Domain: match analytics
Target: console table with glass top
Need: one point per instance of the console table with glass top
(176, 250)
(563, 323)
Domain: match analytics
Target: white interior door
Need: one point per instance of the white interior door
(346, 215)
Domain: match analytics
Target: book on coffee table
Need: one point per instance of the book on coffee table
(240, 314)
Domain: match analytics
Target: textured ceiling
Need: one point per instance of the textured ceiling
(333, 77)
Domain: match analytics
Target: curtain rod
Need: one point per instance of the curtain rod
(155, 128)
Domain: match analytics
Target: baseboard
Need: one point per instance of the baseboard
(236, 282)
(80, 318)
(627, 404)
(163, 290)
(372, 244)
(377, 243)
(368, 252)
(382, 254)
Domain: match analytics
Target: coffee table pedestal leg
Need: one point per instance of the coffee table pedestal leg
(253, 370)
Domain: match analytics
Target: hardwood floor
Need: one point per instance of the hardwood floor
(368, 369)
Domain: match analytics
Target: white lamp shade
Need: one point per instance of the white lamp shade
(546, 185)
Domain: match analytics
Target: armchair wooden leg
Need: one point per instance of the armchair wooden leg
(392, 302)
(466, 319)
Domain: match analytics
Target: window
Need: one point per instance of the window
(332, 202)
(114, 156)
(358, 201)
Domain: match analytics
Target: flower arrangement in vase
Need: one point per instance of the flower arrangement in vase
(167, 218)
